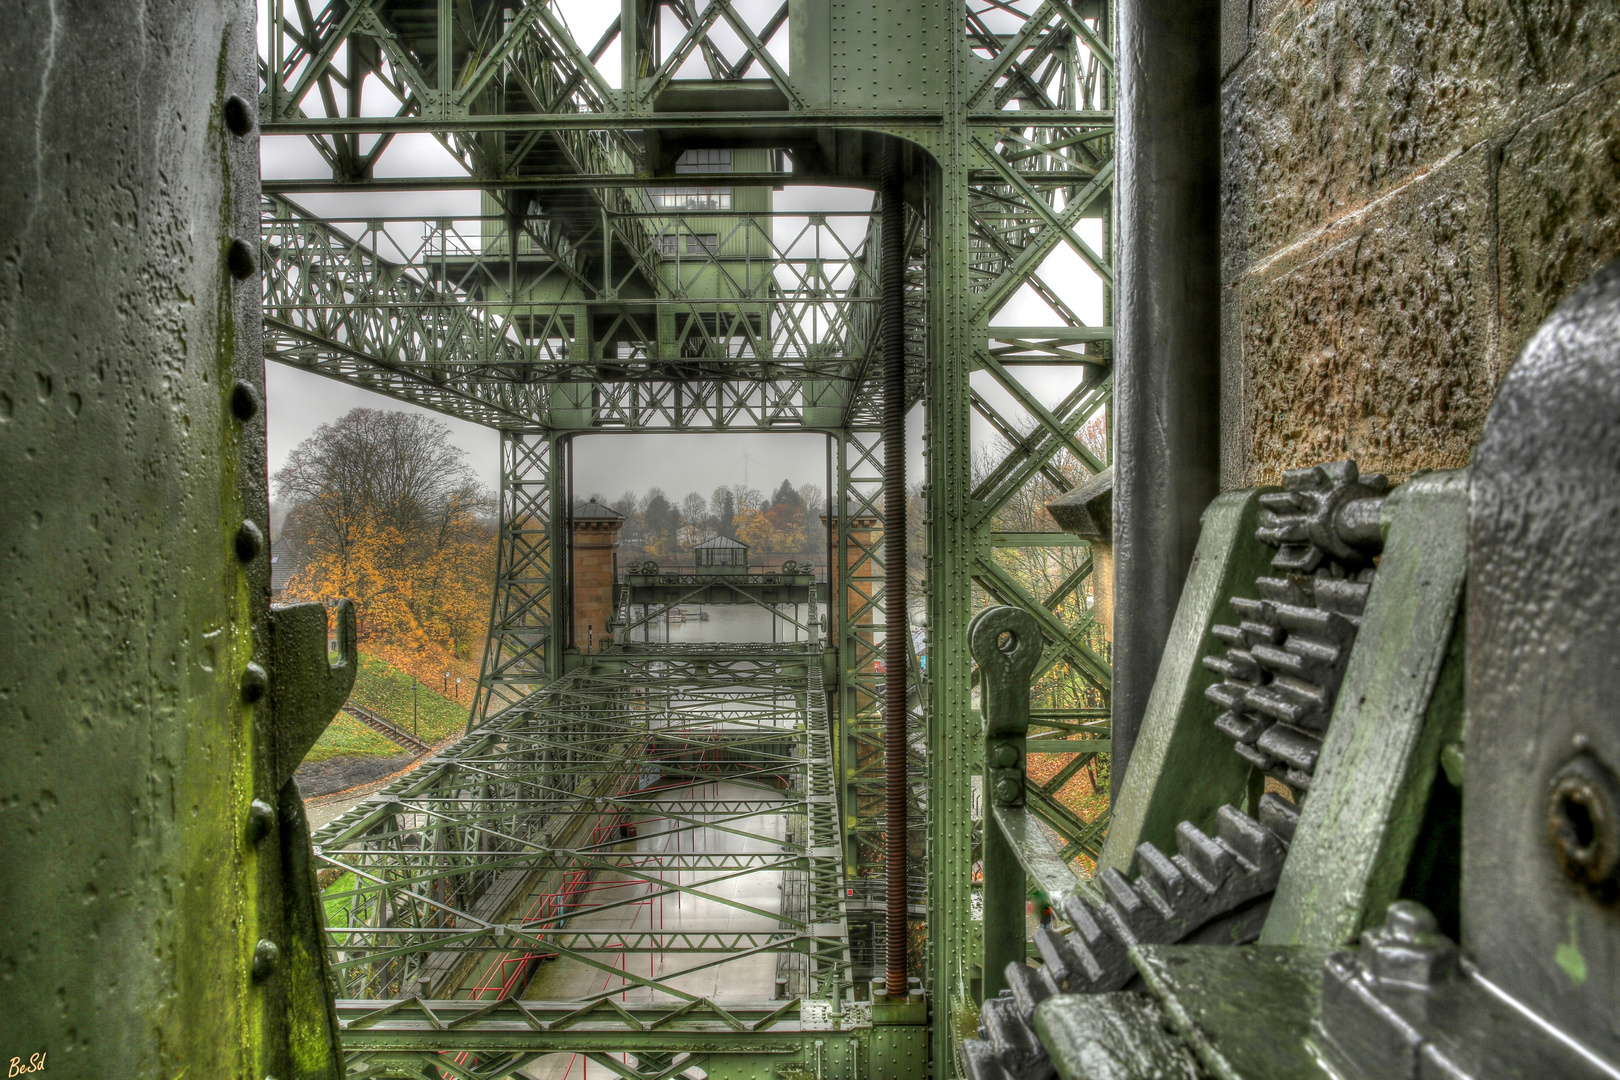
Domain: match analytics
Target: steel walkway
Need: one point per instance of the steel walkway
(620, 868)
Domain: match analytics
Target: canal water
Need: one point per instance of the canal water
(726, 622)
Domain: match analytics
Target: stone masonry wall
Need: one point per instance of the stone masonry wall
(596, 563)
(1408, 188)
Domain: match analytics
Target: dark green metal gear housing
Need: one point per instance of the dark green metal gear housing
(1410, 932)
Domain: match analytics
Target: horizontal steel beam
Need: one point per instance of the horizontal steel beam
(684, 121)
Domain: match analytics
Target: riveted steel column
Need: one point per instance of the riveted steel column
(160, 913)
(1167, 363)
(895, 621)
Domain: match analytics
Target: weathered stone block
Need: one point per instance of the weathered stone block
(1234, 394)
(1237, 32)
(1376, 340)
(1340, 103)
(1559, 189)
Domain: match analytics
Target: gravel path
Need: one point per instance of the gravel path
(337, 784)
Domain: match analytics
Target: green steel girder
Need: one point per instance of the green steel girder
(727, 1040)
(426, 329)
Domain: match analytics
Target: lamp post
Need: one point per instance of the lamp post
(458, 688)
(446, 684)
(413, 705)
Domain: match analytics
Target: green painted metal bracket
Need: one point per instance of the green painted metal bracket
(1042, 863)
(1005, 642)
(1182, 769)
(1400, 700)
(306, 689)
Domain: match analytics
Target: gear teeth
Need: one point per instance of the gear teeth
(1099, 954)
(1279, 816)
(1017, 1050)
(1207, 858)
(1316, 623)
(1282, 592)
(1251, 611)
(1162, 876)
(1282, 702)
(1284, 661)
(1253, 843)
(1289, 744)
(1258, 758)
(1347, 597)
(1230, 696)
(1260, 633)
(980, 1060)
(1068, 962)
(1279, 675)
(1060, 959)
(1240, 728)
(1117, 888)
(1134, 913)
(1281, 502)
(1170, 899)
(1028, 989)
(1236, 664)
(1048, 988)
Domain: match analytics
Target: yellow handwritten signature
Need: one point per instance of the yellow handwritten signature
(36, 1063)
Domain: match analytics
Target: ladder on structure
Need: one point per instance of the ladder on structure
(384, 728)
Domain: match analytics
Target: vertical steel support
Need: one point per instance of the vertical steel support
(860, 596)
(1166, 372)
(895, 620)
(952, 727)
(445, 70)
(161, 915)
(1006, 643)
(524, 636)
(561, 492)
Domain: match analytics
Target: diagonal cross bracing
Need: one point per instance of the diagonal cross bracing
(433, 323)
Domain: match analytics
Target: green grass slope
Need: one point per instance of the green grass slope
(348, 737)
(386, 690)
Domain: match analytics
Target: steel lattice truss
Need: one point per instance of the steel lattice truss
(559, 311)
(520, 651)
(488, 1041)
(785, 329)
(471, 869)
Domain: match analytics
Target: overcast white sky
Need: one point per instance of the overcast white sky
(299, 402)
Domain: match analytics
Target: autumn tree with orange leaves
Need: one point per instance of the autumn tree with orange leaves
(386, 511)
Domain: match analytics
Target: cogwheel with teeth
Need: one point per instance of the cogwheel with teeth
(1285, 658)
(1324, 514)
(1280, 674)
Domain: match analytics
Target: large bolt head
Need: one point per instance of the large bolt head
(1583, 821)
(261, 820)
(1409, 947)
(265, 957)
